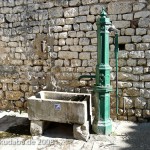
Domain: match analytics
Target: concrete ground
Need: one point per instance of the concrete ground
(15, 135)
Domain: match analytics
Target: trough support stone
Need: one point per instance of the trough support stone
(36, 127)
(81, 132)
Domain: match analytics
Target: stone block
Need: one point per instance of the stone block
(146, 39)
(75, 62)
(126, 69)
(14, 95)
(136, 54)
(12, 17)
(130, 112)
(141, 62)
(80, 34)
(138, 70)
(131, 62)
(36, 127)
(91, 34)
(131, 92)
(63, 35)
(138, 84)
(72, 33)
(127, 77)
(140, 31)
(76, 27)
(76, 48)
(96, 9)
(75, 3)
(84, 55)
(57, 48)
(76, 41)
(84, 10)
(143, 22)
(132, 118)
(59, 62)
(136, 39)
(128, 102)
(122, 84)
(57, 29)
(122, 118)
(56, 12)
(80, 19)
(69, 41)
(67, 55)
(140, 103)
(142, 46)
(2, 18)
(86, 2)
(70, 21)
(145, 93)
(84, 41)
(85, 26)
(123, 54)
(94, 41)
(67, 27)
(145, 77)
(138, 6)
(121, 24)
(146, 113)
(129, 31)
(90, 18)
(122, 7)
(90, 48)
(71, 12)
(138, 112)
(124, 39)
(127, 16)
(60, 21)
(147, 85)
(62, 42)
(130, 47)
(1, 95)
(142, 14)
(81, 132)
(147, 54)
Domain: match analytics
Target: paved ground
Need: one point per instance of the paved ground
(15, 135)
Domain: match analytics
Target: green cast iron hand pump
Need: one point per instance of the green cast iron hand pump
(102, 122)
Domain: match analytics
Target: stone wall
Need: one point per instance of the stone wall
(48, 44)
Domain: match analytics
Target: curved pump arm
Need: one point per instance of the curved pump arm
(86, 76)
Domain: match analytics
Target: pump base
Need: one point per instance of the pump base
(102, 127)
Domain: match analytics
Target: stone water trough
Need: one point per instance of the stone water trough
(61, 107)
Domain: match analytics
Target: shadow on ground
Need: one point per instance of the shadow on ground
(126, 136)
(59, 130)
(12, 126)
(134, 136)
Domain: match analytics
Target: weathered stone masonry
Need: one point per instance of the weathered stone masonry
(68, 29)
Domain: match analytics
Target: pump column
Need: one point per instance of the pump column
(102, 87)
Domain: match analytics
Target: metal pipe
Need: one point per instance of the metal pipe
(116, 60)
(112, 28)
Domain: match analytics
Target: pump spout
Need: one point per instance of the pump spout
(86, 76)
(112, 28)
